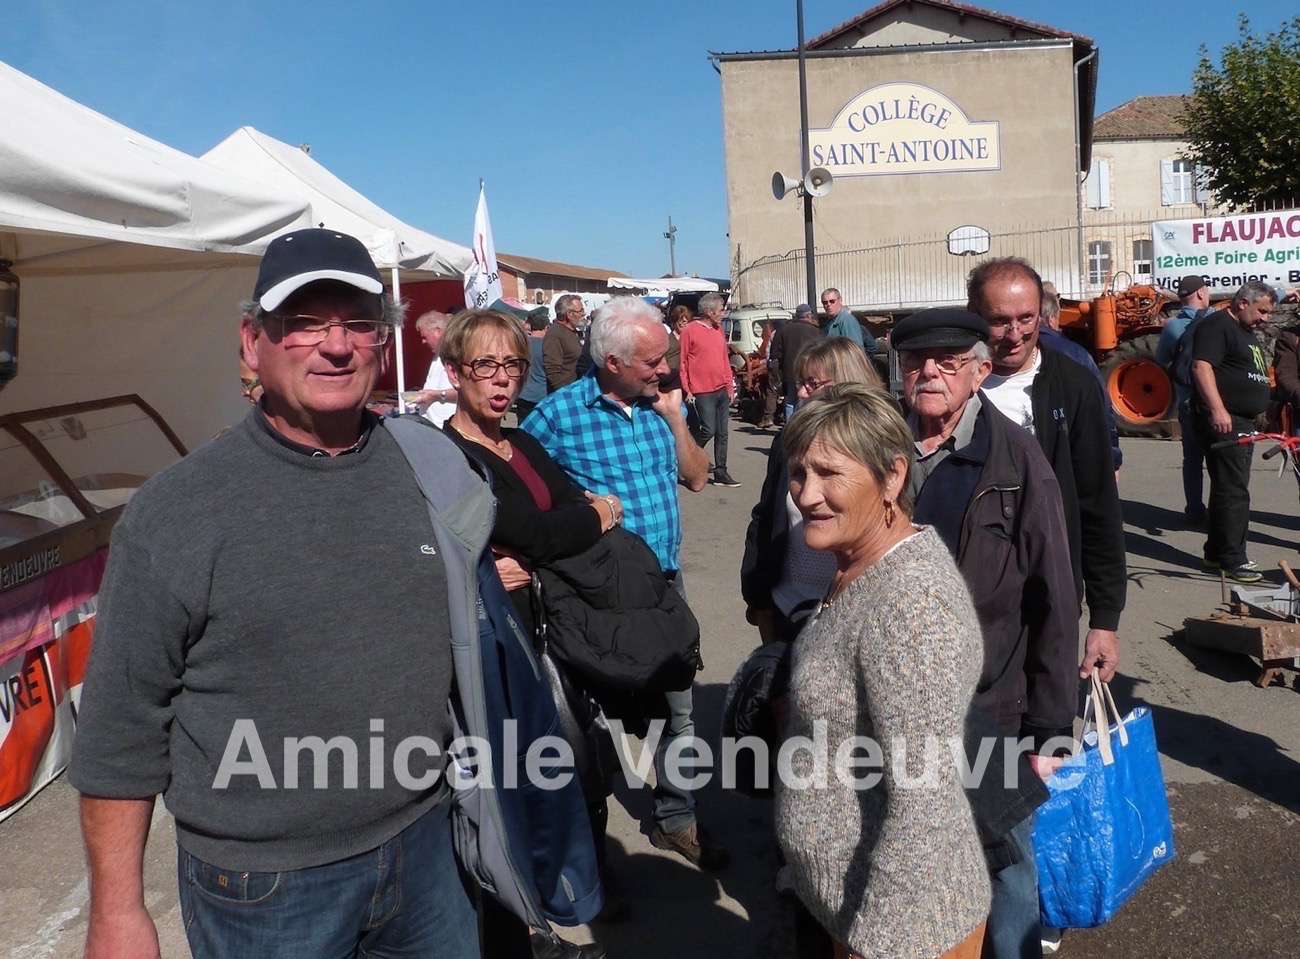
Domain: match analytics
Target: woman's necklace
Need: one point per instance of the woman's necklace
(501, 447)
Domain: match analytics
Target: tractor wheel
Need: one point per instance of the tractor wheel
(1140, 391)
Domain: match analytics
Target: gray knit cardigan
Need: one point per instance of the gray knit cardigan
(892, 871)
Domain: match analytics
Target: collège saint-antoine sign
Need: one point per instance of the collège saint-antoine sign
(904, 128)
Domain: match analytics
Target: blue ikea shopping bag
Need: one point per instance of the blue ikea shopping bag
(1105, 827)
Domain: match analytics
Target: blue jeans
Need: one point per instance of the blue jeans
(714, 413)
(1012, 931)
(674, 808)
(1193, 463)
(404, 899)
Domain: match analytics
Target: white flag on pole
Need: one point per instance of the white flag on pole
(482, 281)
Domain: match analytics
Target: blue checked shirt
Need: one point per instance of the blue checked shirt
(608, 449)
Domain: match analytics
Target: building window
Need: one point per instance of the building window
(1142, 258)
(1177, 182)
(1099, 269)
(1097, 186)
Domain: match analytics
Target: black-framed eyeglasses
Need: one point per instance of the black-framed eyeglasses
(950, 363)
(484, 368)
(304, 329)
(813, 385)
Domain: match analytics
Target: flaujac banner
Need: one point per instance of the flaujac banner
(1227, 251)
(46, 631)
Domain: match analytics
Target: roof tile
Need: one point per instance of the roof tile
(1143, 118)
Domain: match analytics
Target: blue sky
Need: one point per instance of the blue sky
(591, 122)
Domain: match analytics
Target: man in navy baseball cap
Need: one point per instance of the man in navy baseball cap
(316, 336)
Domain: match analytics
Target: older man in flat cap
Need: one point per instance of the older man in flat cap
(989, 492)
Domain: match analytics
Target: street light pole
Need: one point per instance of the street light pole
(810, 259)
(671, 237)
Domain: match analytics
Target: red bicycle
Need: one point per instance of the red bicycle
(1288, 447)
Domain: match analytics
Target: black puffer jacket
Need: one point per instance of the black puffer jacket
(613, 618)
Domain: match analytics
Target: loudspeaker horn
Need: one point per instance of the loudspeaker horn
(782, 184)
(818, 181)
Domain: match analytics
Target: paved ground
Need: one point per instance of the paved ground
(1231, 756)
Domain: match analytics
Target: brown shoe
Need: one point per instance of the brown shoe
(693, 845)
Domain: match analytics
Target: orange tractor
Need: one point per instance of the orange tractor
(1121, 329)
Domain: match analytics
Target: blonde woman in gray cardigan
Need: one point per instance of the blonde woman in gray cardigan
(894, 870)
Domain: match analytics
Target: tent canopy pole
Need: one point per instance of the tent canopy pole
(401, 366)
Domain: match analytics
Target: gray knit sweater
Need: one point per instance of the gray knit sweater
(892, 871)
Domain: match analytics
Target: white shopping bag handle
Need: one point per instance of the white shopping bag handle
(1102, 705)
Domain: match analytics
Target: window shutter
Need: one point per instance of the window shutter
(1103, 182)
(1168, 193)
(1093, 186)
(1202, 185)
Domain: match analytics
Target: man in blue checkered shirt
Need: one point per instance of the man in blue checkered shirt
(614, 431)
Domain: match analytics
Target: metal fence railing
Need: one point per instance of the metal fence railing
(914, 273)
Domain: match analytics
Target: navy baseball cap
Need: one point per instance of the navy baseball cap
(304, 256)
(946, 326)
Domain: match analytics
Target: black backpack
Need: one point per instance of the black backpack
(1180, 367)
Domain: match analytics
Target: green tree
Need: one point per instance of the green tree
(1243, 118)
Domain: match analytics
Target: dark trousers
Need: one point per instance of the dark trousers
(714, 412)
(1228, 519)
(1193, 463)
(772, 396)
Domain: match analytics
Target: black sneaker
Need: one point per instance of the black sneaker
(551, 946)
(723, 478)
(1244, 574)
(1212, 565)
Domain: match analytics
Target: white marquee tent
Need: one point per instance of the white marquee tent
(662, 286)
(291, 172)
(132, 258)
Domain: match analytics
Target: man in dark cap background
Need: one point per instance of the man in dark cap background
(985, 486)
(1175, 344)
(786, 345)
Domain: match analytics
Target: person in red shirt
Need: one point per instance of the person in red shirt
(707, 381)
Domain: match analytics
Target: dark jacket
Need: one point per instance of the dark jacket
(1071, 430)
(561, 348)
(765, 539)
(616, 621)
(1052, 340)
(786, 345)
(996, 505)
(568, 528)
(521, 529)
(1286, 368)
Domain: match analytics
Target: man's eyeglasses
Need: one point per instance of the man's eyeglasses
(303, 329)
(1025, 323)
(485, 368)
(950, 364)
